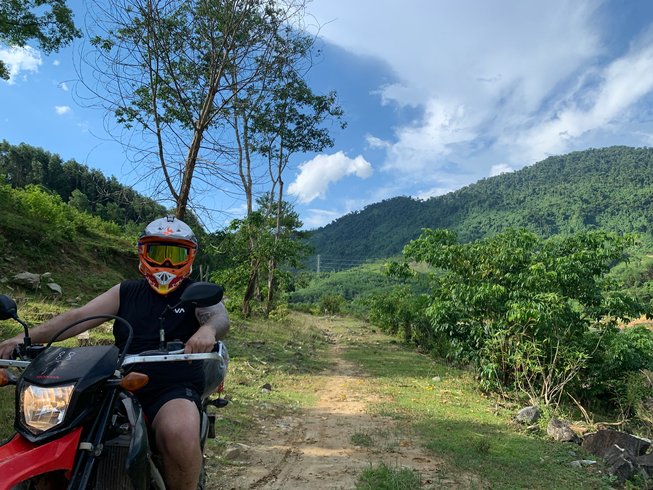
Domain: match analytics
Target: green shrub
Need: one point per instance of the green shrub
(280, 313)
(60, 220)
(619, 357)
(634, 395)
(331, 304)
(519, 307)
(400, 312)
(48, 209)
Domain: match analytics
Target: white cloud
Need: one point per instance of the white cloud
(445, 123)
(620, 85)
(64, 86)
(445, 48)
(317, 174)
(479, 76)
(502, 168)
(18, 60)
(434, 192)
(62, 109)
(315, 218)
(376, 143)
(56, 62)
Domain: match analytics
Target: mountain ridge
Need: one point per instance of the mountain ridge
(609, 188)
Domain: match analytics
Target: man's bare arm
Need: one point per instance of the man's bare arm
(107, 303)
(214, 325)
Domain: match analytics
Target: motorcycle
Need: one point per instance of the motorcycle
(78, 424)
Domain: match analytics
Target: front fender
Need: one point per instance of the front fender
(139, 448)
(21, 460)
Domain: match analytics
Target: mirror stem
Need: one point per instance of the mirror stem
(162, 331)
(27, 341)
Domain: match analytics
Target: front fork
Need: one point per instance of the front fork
(92, 448)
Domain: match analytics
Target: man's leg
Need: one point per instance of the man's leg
(177, 434)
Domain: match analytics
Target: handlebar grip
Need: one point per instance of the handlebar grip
(16, 353)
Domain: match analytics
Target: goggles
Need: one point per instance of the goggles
(160, 253)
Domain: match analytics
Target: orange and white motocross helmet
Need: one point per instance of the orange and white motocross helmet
(166, 251)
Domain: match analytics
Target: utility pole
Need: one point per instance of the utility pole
(318, 263)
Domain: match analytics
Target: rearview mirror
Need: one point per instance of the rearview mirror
(8, 308)
(202, 294)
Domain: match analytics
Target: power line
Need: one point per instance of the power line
(324, 263)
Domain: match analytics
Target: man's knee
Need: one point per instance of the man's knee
(177, 425)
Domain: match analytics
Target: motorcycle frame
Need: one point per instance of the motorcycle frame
(78, 456)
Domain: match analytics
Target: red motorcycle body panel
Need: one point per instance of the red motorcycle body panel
(21, 459)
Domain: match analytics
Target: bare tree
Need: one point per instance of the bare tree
(291, 121)
(213, 94)
(164, 69)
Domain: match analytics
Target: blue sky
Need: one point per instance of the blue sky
(437, 95)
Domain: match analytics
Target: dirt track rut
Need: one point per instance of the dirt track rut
(328, 445)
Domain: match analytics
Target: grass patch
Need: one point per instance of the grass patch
(6, 412)
(383, 477)
(443, 408)
(285, 355)
(362, 439)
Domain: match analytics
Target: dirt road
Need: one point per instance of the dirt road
(326, 446)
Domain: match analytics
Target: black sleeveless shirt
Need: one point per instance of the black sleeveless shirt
(141, 306)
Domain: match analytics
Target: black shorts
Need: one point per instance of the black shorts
(152, 400)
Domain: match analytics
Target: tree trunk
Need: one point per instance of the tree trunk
(273, 263)
(189, 168)
(250, 291)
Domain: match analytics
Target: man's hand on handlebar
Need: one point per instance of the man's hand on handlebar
(202, 341)
(7, 347)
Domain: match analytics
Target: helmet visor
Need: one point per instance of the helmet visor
(160, 253)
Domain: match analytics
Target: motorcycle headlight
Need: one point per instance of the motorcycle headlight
(44, 408)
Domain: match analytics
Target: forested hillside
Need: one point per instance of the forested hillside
(608, 188)
(87, 190)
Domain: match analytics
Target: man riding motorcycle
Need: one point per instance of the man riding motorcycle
(171, 400)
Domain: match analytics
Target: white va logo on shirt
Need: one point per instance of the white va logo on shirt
(180, 310)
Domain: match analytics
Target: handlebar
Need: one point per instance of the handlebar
(14, 363)
(176, 355)
(173, 356)
(138, 359)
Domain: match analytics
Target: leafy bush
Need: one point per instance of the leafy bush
(518, 307)
(36, 203)
(401, 312)
(635, 393)
(619, 357)
(280, 313)
(331, 304)
(54, 217)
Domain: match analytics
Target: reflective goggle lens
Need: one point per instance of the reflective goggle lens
(159, 253)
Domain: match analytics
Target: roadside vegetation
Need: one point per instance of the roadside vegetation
(500, 322)
(440, 406)
(559, 322)
(432, 402)
(521, 289)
